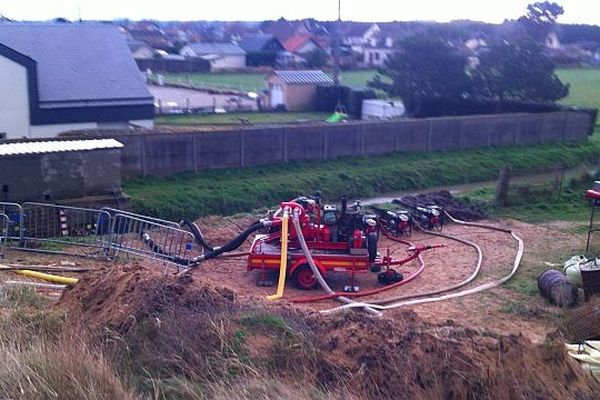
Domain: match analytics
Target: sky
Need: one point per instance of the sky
(576, 11)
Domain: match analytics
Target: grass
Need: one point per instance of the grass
(237, 118)
(585, 86)
(231, 191)
(255, 82)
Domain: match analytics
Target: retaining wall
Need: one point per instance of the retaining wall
(164, 153)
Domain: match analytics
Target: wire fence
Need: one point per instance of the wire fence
(14, 212)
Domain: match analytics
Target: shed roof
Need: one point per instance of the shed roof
(306, 77)
(21, 148)
(77, 62)
(256, 42)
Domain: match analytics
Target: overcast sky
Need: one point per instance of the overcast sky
(576, 11)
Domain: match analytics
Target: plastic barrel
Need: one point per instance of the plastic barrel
(555, 286)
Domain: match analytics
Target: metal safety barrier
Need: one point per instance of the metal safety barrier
(14, 212)
(114, 211)
(152, 240)
(58, 229)
(3, 234)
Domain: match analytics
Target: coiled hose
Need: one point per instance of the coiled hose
(378, 305)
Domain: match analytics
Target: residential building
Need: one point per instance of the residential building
(222, 56)
(140, 50)
(62, 77)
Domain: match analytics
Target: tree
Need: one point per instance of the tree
(518, 71)
(316, 58)
(541, 19)
(423, 67)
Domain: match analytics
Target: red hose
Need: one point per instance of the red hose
(372, 291)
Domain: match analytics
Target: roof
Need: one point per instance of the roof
(20, 148)
(307, 77)
(204, 48)
(135, 45)
(256, 42)
(353, 29)
(77, 62)
(295, 42)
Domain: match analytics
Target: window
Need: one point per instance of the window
(376, 56)
(2, 135)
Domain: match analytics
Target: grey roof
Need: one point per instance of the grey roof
(308, 77)
(135, 45)
(77, 62)
(255, 42)
(19, 148)
(216, 48)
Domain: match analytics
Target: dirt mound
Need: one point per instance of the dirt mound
(184, 327)
(458, 209)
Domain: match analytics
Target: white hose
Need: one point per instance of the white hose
(462, 293)
(315, 269)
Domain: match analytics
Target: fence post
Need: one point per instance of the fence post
(502, 186)
(242, 150)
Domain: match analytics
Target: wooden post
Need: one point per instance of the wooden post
(502, 186)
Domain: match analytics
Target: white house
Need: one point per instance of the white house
(222, 56)
(61, 77)
(358, 34)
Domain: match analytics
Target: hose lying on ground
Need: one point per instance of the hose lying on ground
(315, 269)
(63, 280)
(462, 293)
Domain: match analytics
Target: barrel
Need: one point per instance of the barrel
(555, 286)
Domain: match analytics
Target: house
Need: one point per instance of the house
(140, 50)
(61, 77)
(358, 34)
(303, 44)
(222, 56)
(375, 55)
(262, 49)
(295, 90)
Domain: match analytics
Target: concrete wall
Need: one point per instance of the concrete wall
(65, 175)
(14, 100)
(166, 153)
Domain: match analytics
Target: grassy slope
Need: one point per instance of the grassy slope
(229, 191)
(256, 118)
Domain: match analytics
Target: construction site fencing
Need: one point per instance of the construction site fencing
(152, 240)
(3, 234)
(114, 211)
(14, 212)
(59, 229)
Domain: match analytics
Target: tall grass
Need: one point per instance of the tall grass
(230, 191)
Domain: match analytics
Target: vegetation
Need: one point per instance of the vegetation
(229, 191)
(584, 86)
(240, 118)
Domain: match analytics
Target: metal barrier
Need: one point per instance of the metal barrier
(67, 230)
(3, 235)
(114, 211)
(152, 240)
(14, 213)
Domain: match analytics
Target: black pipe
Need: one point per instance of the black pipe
(197, 235)
(235, 243)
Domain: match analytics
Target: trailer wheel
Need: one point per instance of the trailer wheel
(372, 246)
(304, 278)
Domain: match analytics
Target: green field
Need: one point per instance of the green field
(254, 82)
(239, 118)
(585, 86)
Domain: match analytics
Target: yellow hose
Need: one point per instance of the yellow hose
(283, 260)
(63, 280)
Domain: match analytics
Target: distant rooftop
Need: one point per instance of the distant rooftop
(306, 77)
(205, 48)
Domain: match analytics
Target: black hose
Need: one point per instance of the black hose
(197, 235)
(235, 243)
(155, 248)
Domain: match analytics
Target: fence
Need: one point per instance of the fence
(76, 231)
(3, 234)
(152, 240)
(165, 153)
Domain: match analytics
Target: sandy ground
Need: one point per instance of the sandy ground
(444, 267)
(181, 98)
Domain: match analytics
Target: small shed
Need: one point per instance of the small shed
(295, 90)
(62, 169)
